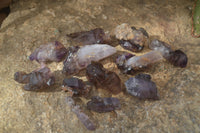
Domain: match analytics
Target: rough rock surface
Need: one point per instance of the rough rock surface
(35, 22)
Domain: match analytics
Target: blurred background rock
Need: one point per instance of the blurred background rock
(4, 9)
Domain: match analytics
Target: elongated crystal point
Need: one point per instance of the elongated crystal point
(80, 57)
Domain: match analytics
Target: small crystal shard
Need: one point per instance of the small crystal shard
(102, 105)
(142, 87)
(87, 121)
(36, 80)
(103, 78)
(77, 86)
(80, 57)
(54, 51)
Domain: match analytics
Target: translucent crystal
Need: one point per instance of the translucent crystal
(54, 51)
(79, 58)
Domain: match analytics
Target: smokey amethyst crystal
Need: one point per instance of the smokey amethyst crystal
(103, 78)
(177, 57)
(51, 52)
(87, 121)
(142, 87)
(102, 105)
(80, 57)
(127, 62)
(77, 86)
(160, 46)
(121, 61)
(95, 36)
(36, 80)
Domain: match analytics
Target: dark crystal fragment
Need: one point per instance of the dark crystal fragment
(129, 45)
(95, 36)
(102, 105)
(77, 86)
(178, 58)
(36, 80)
(87, 120)
(142, 87)
(103, 78)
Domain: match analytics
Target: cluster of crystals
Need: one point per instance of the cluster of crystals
(95, 45)
(42, 78)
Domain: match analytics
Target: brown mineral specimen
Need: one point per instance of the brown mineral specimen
(103, 78)
(131, 38)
